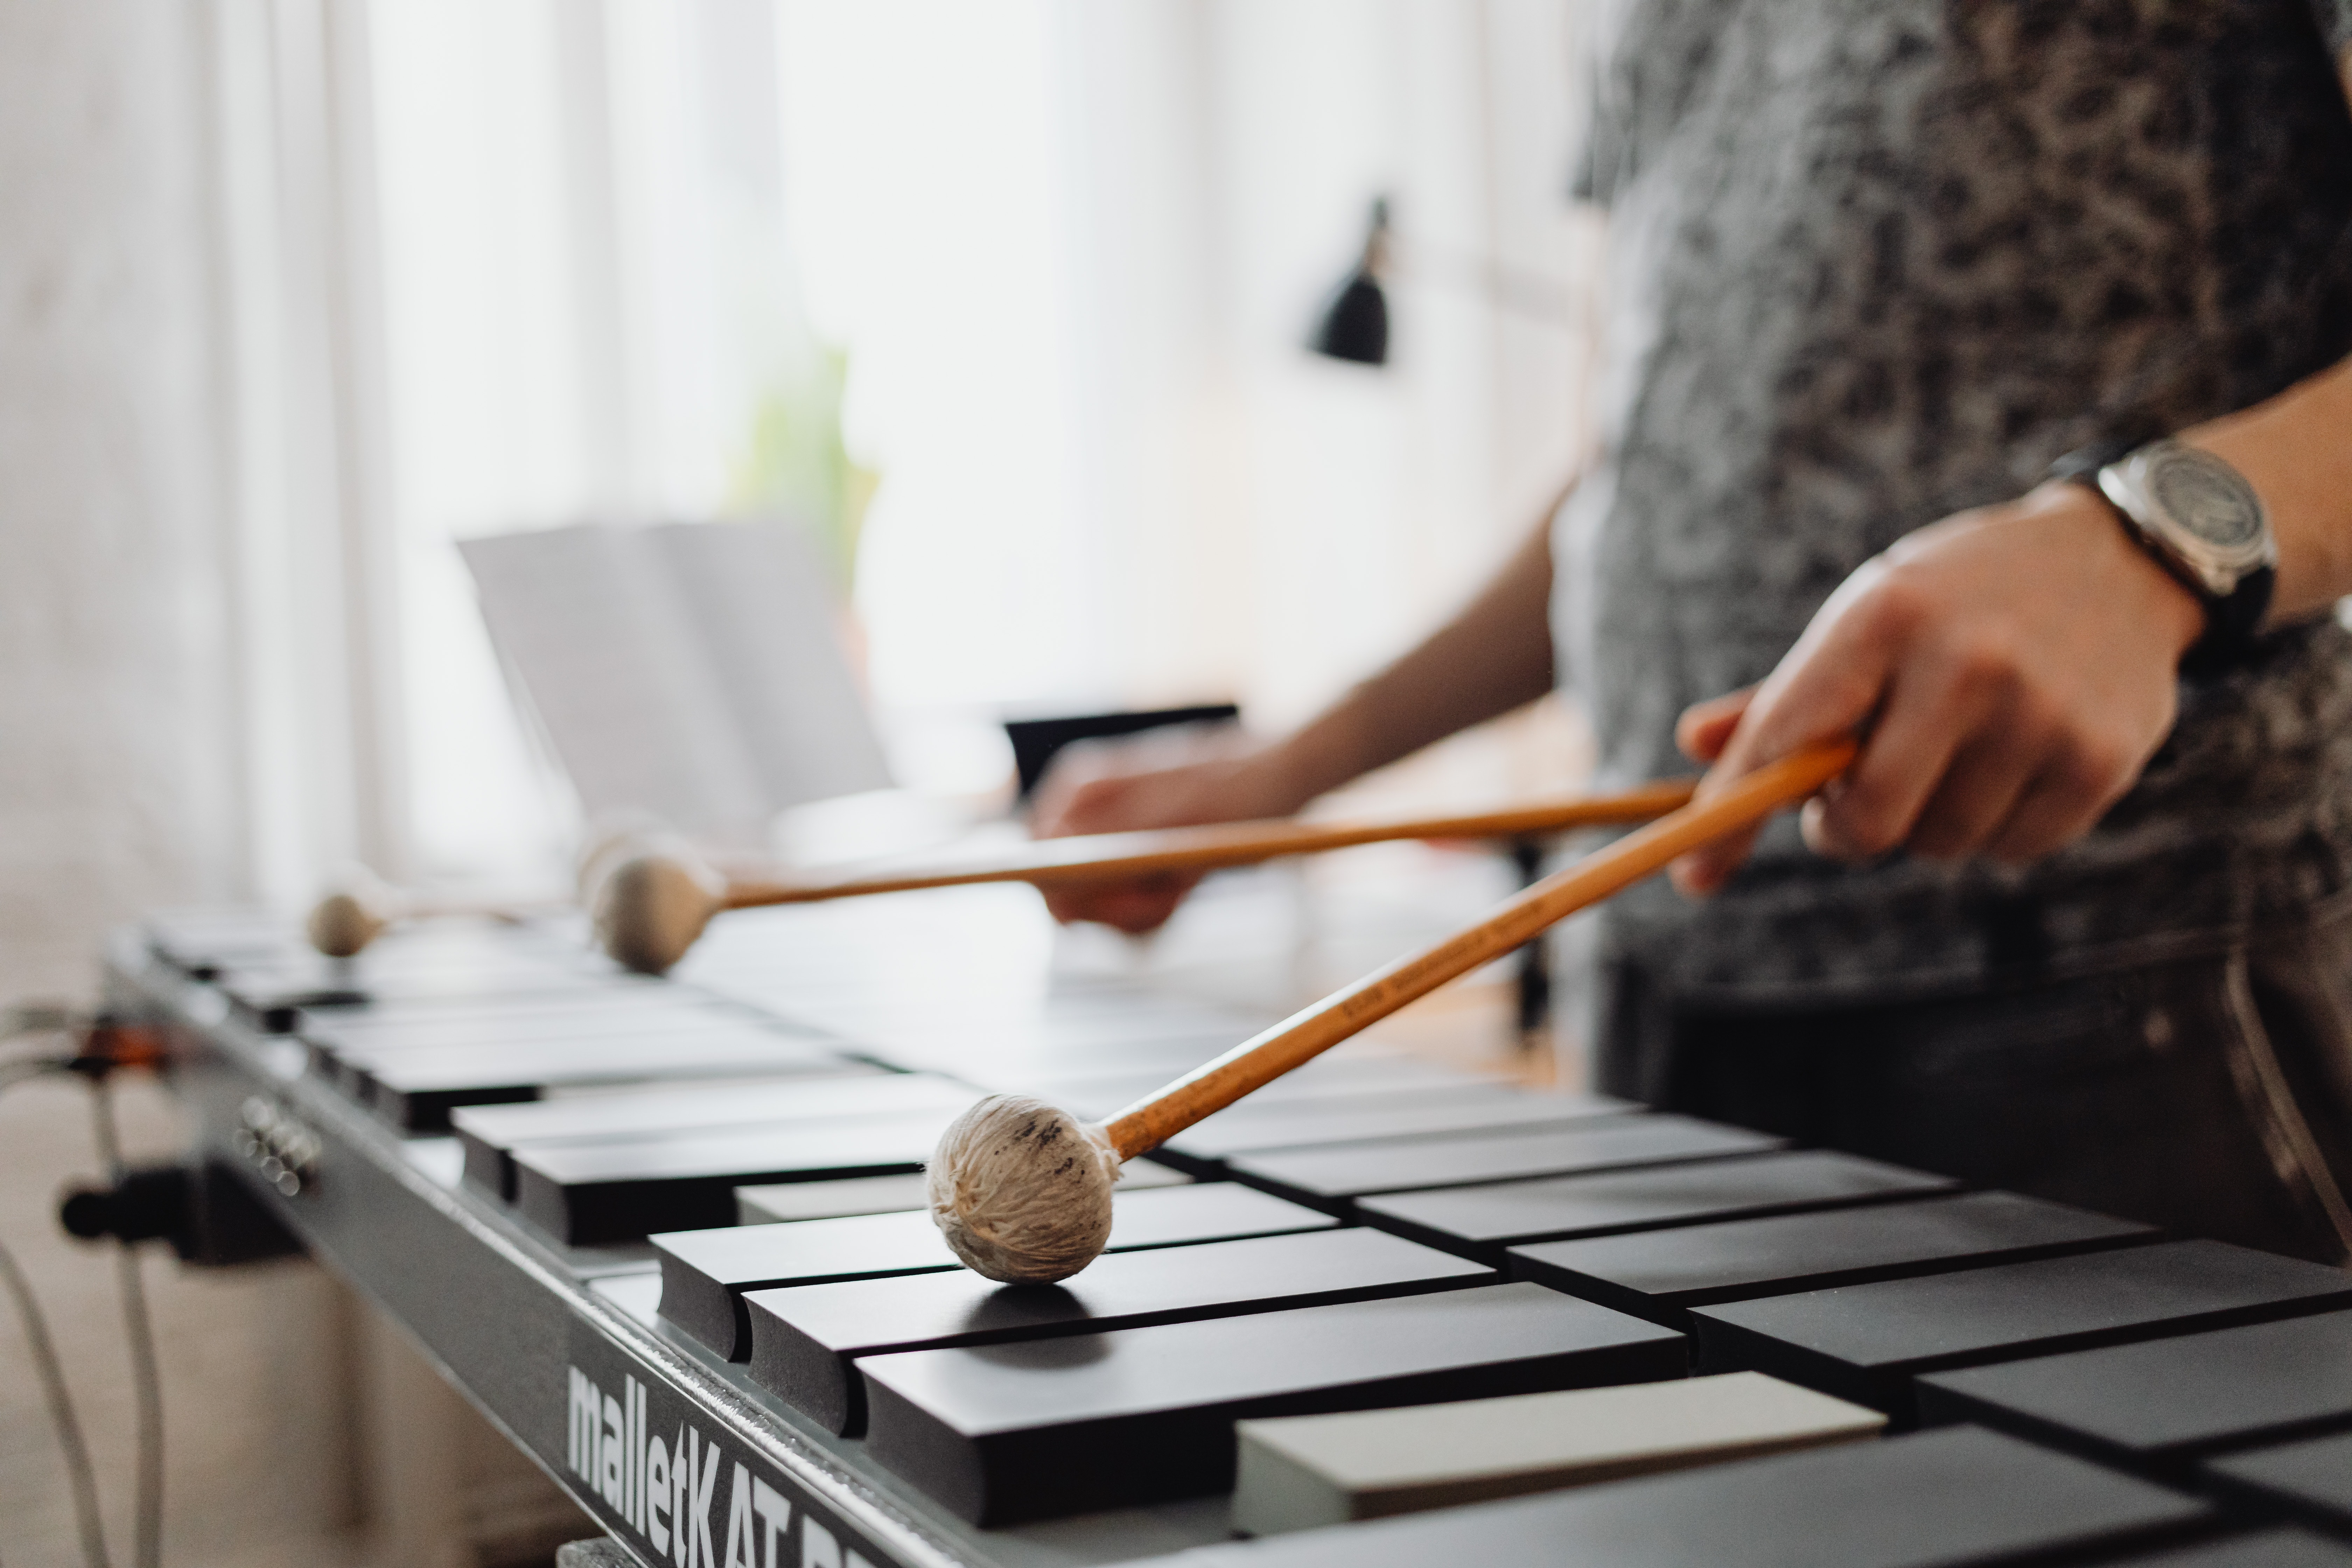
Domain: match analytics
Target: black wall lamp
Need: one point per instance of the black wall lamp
(1354, 326)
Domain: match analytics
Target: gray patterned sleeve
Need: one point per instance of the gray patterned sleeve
(2335, 23)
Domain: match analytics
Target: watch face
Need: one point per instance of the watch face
(2207, 499)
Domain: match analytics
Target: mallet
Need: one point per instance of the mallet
(1022, 1188)
(360, 905)
(653, 905)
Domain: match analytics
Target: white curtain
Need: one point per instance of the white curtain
(1070, 249)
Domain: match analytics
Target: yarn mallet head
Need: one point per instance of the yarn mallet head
(353, 912)
(650, 899)
(1022, 1189)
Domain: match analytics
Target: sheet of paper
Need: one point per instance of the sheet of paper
(693, 671)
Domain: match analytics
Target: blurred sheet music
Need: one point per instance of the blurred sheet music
(691, 670)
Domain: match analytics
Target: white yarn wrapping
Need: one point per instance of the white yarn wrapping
(1022, 1189)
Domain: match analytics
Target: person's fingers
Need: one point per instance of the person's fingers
(1104, 903)
(1903, 760)
(1980, 792)
(1074, 769)
(1703, 871)
(1701, 733)
(1056, 797)
(1138, 911)
(1957, 690)
(1830, 685)
(2091, 771)
(1134, 907)
(1089, 805)
(2043, 818)
(1705, 728)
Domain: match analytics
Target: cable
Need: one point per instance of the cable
(13, 1073)
(138, 1331)
(38, 1018)
(147, 1380)
(27, 1044)
(78, 1473)
(99, 1050)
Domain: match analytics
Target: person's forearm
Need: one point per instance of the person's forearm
(2296, 452)
(1492, 657)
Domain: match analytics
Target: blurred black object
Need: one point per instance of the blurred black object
(203, 1210)
(1355, 325)
(148, 1202)
(1035, 740)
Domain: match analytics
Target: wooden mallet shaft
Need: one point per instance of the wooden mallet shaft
(1112, 856)
(1151, 1122)
(349, 918)
(652, 903)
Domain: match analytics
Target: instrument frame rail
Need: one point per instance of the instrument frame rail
(686, 1461)
(532, 1332)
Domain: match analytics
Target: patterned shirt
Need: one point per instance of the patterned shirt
(1875, 261)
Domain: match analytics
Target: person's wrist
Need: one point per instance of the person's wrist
(1307, 763)
(2176, 614)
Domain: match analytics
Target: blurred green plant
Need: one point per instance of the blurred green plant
(794, 462)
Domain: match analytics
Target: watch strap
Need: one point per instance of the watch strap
(2230, 624)
(2082, 466)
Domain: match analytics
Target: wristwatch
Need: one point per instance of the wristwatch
(2201, 522)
